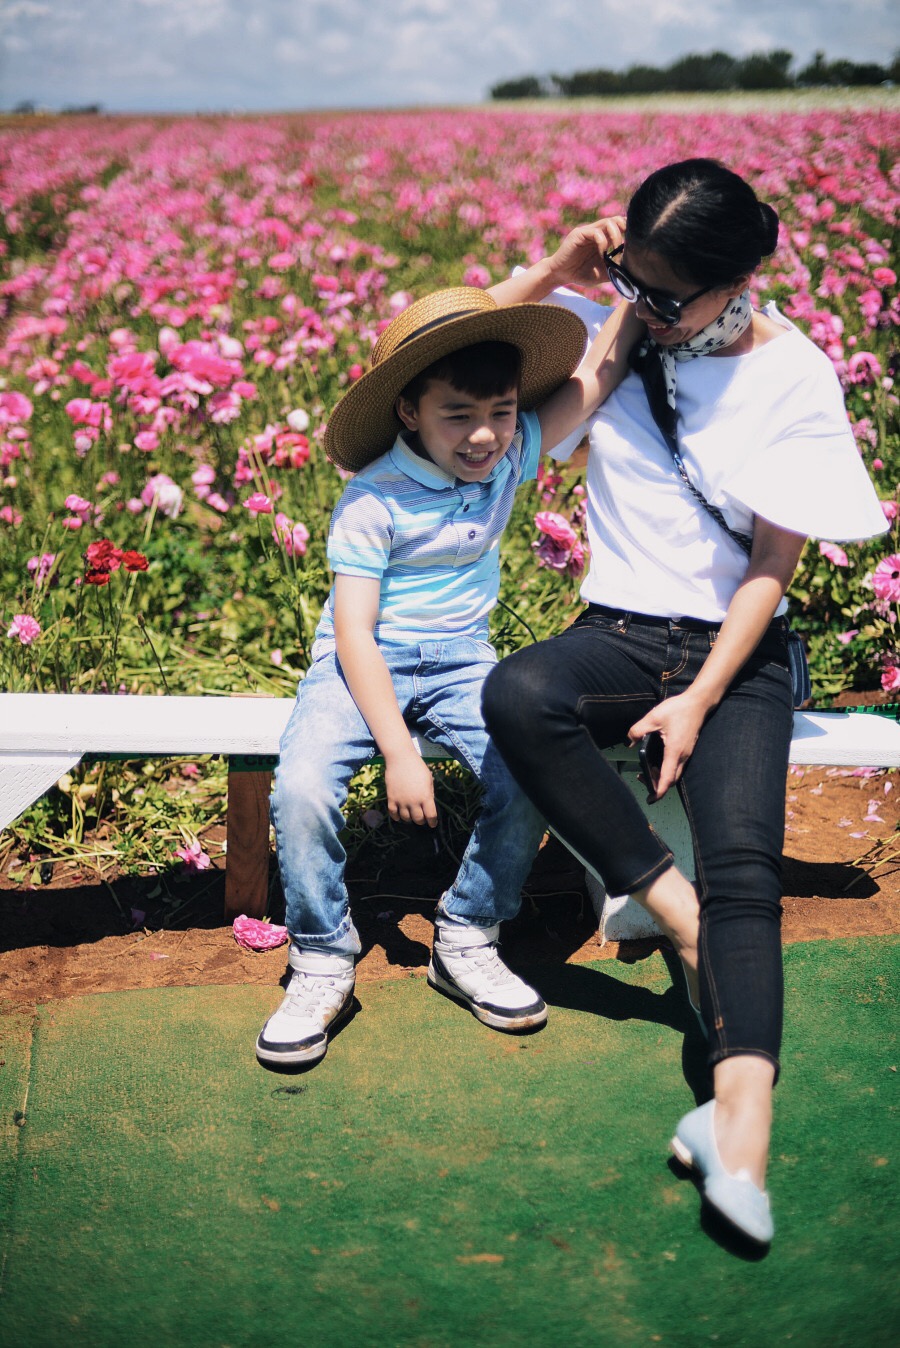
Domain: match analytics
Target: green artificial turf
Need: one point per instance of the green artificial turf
(434, 1183)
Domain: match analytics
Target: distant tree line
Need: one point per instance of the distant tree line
(709, 73)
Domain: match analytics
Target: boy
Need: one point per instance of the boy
(434, 434)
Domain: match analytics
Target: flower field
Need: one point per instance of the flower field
(183, 301)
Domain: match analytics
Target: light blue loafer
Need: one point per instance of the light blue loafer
(736, 1197)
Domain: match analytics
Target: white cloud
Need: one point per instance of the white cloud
(159, 54)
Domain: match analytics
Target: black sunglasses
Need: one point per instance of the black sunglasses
(663, 307)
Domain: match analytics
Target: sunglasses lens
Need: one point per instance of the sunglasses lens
(667, 311)
(621, 283)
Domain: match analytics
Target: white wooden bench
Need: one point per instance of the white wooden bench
(44, 735)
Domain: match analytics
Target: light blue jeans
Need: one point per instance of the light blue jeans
(438, 686)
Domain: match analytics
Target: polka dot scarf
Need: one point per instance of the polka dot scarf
(658, 364)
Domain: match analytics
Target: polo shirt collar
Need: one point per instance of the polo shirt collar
(423, 471)
(427, 473)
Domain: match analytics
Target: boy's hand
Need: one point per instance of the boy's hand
(410, 788)
(579, 258)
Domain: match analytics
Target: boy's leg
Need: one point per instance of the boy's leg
(325, 741)
(465, 962)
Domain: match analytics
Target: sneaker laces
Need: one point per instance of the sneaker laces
(486, 959)
(307, 993)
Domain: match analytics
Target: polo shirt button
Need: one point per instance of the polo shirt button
(465, 508)
(471, 533)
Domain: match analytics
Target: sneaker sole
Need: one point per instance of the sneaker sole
(311, 1053)
(512, 1024)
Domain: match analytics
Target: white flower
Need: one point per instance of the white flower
(298, 420)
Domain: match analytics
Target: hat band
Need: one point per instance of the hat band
(436, 323)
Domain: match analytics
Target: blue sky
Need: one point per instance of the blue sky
(186, 55)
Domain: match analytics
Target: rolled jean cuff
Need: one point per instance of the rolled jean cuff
(343, 941)
(720, 1054)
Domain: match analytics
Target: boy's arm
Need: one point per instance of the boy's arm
(603, 369)
(577, 261)
(408, 781)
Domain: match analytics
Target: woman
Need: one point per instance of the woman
(682, 637)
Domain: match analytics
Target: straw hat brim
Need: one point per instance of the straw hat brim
(364, 425)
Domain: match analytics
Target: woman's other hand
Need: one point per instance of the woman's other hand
(579, 258)
(679, 721)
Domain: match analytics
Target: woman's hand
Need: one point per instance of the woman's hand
(579, 258)
(410, 788)
(577, 261)
(679, 721)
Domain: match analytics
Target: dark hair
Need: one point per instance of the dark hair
(486, 370)
(704, 220)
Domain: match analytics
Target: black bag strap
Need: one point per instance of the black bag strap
(650, 370)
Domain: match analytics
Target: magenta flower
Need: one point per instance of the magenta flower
(258, 504)
(26, 628)
(193, 856)
(886, 580)
(253, 934)
(556, 527)
(890, 678)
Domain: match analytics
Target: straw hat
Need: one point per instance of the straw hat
(551, 339)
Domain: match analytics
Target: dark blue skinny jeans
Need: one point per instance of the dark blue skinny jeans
(552, 709)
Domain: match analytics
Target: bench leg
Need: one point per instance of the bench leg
(247, 855)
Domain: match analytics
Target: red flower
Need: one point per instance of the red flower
(97, 577)
(134, 561)
(102, 556)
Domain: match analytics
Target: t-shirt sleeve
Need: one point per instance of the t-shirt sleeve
(361, 533)
(809, 477)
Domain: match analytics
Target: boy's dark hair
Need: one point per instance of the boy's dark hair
(486, 370)
(704, 220)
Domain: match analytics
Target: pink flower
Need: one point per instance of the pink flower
(79, 506)
(834, 554)
(863, 368)
(252, 934)
(40, 567)
(846, 637)
(14, 407)
(556, 527)
(293, 537)
(476, 275)
(26, 628)
(886, 580)
(890, 678)
(166, 493)
(258, 504)
(193, 856)
(890, 510)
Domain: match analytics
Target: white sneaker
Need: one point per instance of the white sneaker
(319, 996)
(466, 965)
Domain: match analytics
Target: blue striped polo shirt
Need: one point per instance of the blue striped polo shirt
(432, 540)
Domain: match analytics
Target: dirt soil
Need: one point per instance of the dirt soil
(75, 935)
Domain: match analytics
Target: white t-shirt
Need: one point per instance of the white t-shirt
(765, 433)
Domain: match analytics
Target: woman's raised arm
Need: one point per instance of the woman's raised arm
(577, 261)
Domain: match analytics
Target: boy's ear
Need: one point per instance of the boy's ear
(407, 412)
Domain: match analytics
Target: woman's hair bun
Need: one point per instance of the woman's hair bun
(768, 234)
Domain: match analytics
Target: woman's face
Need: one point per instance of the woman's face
(650, 271)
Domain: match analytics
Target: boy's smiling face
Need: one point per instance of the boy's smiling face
(464, 435)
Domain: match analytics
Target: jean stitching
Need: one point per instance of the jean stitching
(668, 674)
(462, 755)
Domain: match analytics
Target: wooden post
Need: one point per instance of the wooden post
(247, 854)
